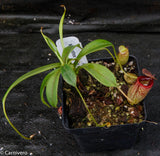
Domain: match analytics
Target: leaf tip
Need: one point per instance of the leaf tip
(31, 137)
(63, 6)
(41, 30)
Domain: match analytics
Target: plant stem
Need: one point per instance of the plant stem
(124, 94)
(117, 60)
(86, 106)
(151, 122)
(110, 54)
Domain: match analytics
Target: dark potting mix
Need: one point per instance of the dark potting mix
(108, 106)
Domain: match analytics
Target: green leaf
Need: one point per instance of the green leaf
(67, 51)
(30, 74)
(50, 43)
(70, 60)
(52, 46)
(69, 75)
(101, 73)
(20, 79)
(93, 46)
(61, 26)
(52, 87)
(43, 85)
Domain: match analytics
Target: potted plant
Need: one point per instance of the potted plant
(109, 95)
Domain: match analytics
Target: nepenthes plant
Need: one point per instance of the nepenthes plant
(69, 69)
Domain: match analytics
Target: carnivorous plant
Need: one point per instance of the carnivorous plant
(69, 70)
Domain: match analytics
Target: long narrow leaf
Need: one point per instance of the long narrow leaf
(52, 45)
(69, 75)
(43, 85)
(52, 87)
(61, 26)
(67, 51)
(93, 46)
(20, 79)
(101, 73)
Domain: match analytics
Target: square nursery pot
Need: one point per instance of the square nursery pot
(97, 139)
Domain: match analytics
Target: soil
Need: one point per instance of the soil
(108, 106)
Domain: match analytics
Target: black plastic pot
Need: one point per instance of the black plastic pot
(96, 139)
